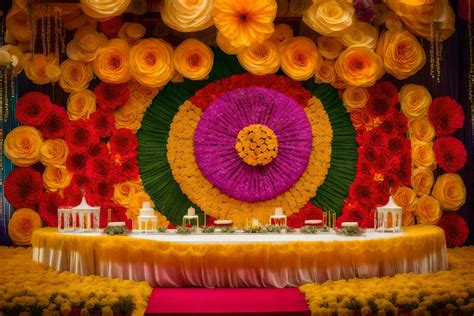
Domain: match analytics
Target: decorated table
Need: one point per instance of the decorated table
(242, 260)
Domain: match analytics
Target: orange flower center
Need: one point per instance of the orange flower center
(150, 59)
(300, 59)
(194, 60)
(115, 62)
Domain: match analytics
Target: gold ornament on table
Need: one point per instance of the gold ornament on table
(329, 219)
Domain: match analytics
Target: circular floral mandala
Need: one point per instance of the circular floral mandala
(217, 132)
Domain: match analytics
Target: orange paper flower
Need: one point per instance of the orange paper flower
(355, 98)
(54, 152)
(360, 34)
(450, 191)
(102, 9)
(151, 62)
(187, 16)
(111, 64)
(22, 146)
(245, 22)
(260, 59)
(299, 58)
(427, 210)
(75, 75)
(414, 100)
(421, 129)
(56, 178)
(329, 18)
(329, 47)
(359, 66)
(22, 224)
(422, 180)
(326, 72)
(422, 155)
(80, 105)
(193, 59)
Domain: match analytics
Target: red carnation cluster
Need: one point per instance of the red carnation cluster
(451, 155)
(446, 115)
(55, 124)
(48, 207)
(285, 85)
(307, 212)
(123, 144)
(103, 123)
(80, 136)
(33, 108)
(111, 96)
(455, 229)
(23, 187)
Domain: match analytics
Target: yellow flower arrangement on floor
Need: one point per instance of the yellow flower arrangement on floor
(30, 286)
(451, 290)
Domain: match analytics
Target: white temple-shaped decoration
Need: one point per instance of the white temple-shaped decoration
(389, 212)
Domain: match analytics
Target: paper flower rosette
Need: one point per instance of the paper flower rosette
(237, 145)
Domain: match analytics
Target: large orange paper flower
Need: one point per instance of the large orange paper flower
(422, 180)
(359, 66)
(355, 98)
(151, 62)
(54, 152)
(299, 58)
(124, 191)
(427, 210)
(244, 22)
(86, 43)
(56, 178)
(421, 129)
(75, 75)
(414, 100)
(405, 197)
(22, 224)
(80, 105)
(329, 18)
(402, 54)
(193, 59)
(22, 146)
(450, 191)
(41, 69)
(111, 64)
(260, 59)
(422, 155)
(187, 16)
(102, 9)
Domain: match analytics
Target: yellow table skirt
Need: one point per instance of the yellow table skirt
(421, 249)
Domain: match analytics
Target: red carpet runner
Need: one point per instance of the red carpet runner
(219, 301)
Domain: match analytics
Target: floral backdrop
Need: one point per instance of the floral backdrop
(236, 119)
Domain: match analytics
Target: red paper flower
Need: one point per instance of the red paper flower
(99, 168)
(76, 162)
(48, 207)
(111, 27)
(353, 215)
(376, 138)
(80, 135)
(455, 229)
(368, 153)
(388, 127)
(23, 187)
(103, 123)
(450, 153)
(362, 191)
(399, 120)
(307, 212)
(378, 105)
(124, 144)
(72, 196)
(130, 169)
(446, 115)
(33, 108)
(55, 124)
(102, 191)
(395, 145)
(386, 88)
(99, 149)
(80, 182)
(110, 96)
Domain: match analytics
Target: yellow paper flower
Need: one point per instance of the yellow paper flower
(131, 32)
(188, 15)
(75, 75)
(17, 56)
(244, 22)
(414, 100)
(124, 191)
(450, 191)
(329, 47)
(422, 155)
(260, 59)
(359, 66)
(81, 104)
(151, 62)
(41, 69)
(56, 178)
(21, 226)
(54, 152)
(326, 72)
(405, 197)
(224, 44)
(86, 43)
(22, 146)
(193, 59)
(355, 98)
(102, 9)
(111, 64)
(330, 18)
(427, 210)
(421, 129)
(299, 58)
(422, 180)
(130, 115)
(282, 32)
(402, 54)
(360, 34)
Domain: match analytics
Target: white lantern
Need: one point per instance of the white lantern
(89, 216)
(381, 217)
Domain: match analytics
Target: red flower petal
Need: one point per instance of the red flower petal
(450, 152)
(23, 187)
(446, 115)
(33, 108)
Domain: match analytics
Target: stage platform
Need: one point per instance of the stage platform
(242, 260)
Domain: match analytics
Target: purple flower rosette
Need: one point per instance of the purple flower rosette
(216, 135)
